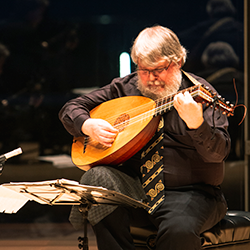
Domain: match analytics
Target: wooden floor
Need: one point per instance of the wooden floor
(36, 226)
(44, 227)
(42, 236)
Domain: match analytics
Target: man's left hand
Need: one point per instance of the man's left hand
(189, 110)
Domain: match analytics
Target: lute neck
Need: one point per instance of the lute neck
(200, 94)
(166, 103)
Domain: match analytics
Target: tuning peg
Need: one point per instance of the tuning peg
(212, 107)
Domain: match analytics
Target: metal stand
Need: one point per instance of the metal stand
(66, 192)
(83, 209)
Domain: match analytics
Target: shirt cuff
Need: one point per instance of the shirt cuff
(78, 122)
(200, 134)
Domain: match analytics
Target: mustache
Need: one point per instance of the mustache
(152, 88)
(156, 83)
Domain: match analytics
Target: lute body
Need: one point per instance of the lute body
(137, 119)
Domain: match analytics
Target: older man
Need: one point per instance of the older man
(193, 141)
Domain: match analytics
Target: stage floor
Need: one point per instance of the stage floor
(44, 227)
(36, 226)
(42, 236)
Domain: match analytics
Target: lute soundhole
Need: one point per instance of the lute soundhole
(122, 122)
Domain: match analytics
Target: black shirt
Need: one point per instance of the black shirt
(190, 156)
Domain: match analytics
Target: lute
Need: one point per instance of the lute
(136, 118)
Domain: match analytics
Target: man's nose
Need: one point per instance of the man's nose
(152, 76)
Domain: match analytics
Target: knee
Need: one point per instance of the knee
(103, 176)
(91, 177)
(95, 170)
(178, 235)
(179, 231)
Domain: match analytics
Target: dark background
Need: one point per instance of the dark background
(77, 45)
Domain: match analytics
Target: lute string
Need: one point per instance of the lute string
(162, 105)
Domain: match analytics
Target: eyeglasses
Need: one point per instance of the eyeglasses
(155, 72)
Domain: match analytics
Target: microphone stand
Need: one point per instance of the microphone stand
(5, 157)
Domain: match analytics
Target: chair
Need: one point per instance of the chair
(232, 233)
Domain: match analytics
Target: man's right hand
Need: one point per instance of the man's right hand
(100, 130)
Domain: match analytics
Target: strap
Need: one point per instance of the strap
(193, 80)
(152, 169)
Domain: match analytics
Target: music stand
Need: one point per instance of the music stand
(67, 192)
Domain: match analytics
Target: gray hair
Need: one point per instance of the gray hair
(156, 44)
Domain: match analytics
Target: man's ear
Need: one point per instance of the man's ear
(180, 63)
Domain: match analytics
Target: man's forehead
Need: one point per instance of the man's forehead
(159, 64)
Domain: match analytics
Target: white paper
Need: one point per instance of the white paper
(61, 192)
(11, 201)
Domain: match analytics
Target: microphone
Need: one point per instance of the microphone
(5, 157)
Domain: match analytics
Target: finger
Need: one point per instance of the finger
(177, 97)
(108, 127)
(114, 130)
(111, 130)
(109, 136)
(188, 96)
(106, 132)
(106, 142)
(176, 101)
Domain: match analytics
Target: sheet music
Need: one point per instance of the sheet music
(10, 201)
(65, 192)
(43, 192)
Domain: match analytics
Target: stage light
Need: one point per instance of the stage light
(125, 64)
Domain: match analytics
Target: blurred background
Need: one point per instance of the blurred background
(54, 50)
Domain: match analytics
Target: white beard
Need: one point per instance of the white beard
(170, 88)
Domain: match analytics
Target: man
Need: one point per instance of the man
(193, 153)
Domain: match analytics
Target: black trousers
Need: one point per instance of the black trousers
(184, 215)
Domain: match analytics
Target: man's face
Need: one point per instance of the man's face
(160, 81)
